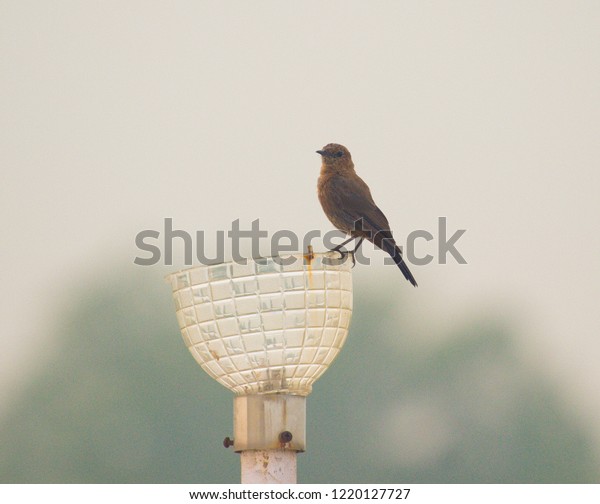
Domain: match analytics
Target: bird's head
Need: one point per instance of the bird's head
(336, 156)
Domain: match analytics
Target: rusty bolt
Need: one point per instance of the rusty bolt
(227, 442)
(285, 437)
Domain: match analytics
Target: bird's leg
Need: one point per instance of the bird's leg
(358, 244)
(343, 253)
(338, 248)
(360, 240)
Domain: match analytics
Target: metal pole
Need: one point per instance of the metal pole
(269, 430)
(268, 466)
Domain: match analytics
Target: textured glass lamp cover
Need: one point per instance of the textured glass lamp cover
(265, 327)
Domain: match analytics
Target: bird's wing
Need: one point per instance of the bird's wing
(351, 203)
(353, 199)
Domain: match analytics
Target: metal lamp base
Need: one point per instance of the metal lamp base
(269, 422)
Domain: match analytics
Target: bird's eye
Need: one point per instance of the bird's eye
(339, 154)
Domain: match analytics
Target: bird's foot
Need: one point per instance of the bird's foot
(344, 255)
(343, 252)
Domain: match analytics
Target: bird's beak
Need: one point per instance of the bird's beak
(322, 152)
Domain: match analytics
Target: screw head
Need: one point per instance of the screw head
(285, 437)
(227, 442)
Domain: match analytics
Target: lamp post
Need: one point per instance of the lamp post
(266, 330)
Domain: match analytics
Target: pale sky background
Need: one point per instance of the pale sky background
(115, 115)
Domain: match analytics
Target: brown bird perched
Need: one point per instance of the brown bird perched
(348, 204)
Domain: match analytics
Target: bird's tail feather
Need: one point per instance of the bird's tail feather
(405, 271)
(396, 253)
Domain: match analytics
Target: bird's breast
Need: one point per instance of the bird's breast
(330, 201)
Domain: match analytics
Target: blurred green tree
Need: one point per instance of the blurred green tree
(124, 402)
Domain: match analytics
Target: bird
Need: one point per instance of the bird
(347, 202)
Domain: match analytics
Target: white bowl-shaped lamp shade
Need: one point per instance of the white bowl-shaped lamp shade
(265, 327)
